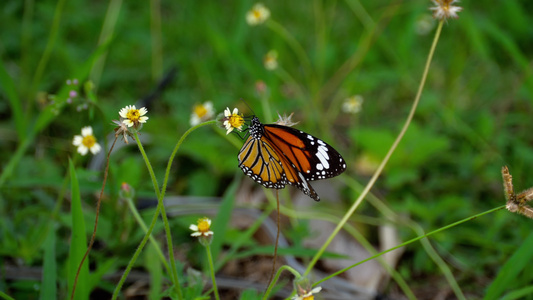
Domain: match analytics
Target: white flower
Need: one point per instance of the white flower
(132, 116)
(232, 120)
(257, 15)
(352, 104)
(203, 228)
(86, 141)
(271, 60)
(202, 112)
(445, 10)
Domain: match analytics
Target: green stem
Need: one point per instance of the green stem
(385, 160)
(275, 279)
(161, 205)
(49, 47)
(212, 270)
(141, 223)
(15, 158)
(6, 296)
(411, 241)
(108, 29)
(293, 43)
(160, 208)
(157, 48)
(136, 255)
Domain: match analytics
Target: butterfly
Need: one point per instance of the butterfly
(276, 155)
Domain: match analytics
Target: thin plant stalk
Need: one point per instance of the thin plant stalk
(391, 215)
(160, 197)
(48, 49)
(157, 47)
(212, 270)
(93, 236)
(160, 208)
(141, 223)
(411, 241)
(385, 160)
(276, 277)
(136, 255)
(108, 29)
(296, 47)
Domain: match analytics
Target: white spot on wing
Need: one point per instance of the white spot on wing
(323, 156)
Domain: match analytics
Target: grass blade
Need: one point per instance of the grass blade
(49, 276)
(510, 270)
(7, 84)
(78, 242)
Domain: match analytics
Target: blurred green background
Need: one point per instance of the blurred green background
(474, 117)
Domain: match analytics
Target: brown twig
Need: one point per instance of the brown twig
(95, 221)
(276, 245)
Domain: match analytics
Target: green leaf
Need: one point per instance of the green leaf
(510, 270)
(49, 277)
(7, 84)
(153, 265)
(78, 242)
(220, 224)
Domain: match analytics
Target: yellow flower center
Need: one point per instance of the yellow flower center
(203, 225)
(133, 115)
(200, 111)
(257, 13)
(311, 297)
(88, 141)
(236, 121)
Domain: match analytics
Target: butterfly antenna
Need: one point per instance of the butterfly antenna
(249, 107)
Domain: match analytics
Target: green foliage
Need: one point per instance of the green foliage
(78, 243)
(473, 118)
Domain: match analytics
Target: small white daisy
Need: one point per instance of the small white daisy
(202, 228)
(271, 60)
(232, 120)
(86, 141)
(352, 105)
(132, 116)
(202, 113)
(258, 15)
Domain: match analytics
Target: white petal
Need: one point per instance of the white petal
(193, 227)
(77, 140)
(208, 106)
(82, 149)
(195, 120)
(95, 148)
(143, 111)
(86, 131)
(227, 112)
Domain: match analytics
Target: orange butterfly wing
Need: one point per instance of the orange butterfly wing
(276, 155)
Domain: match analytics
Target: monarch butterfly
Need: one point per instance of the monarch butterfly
(276, 155)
